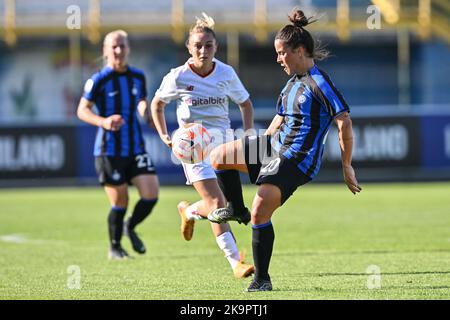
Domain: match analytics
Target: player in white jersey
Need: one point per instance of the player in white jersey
(203, 98)
(202, 88)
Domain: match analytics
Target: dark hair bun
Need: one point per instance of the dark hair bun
(298, 19)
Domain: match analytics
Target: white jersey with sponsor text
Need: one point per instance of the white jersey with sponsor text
(203, 98)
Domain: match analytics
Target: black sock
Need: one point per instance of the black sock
(263, 237)
(141, 210)
(230, 184)
(115, 225)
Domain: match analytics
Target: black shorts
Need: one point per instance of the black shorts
(119, 170)
(265, 165)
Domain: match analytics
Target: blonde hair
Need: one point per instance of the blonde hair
(120, 33)
(204, 24)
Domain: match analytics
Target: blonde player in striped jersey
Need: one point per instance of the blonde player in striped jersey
(202, 88)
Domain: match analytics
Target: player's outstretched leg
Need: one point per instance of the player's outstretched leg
(230, 184)
(221, 215)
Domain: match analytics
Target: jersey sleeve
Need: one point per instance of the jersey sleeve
(168, 90)
(334, 101)
(236, 90)
(330, 97)
(91, 88)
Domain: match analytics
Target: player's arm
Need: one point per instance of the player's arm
(246, 108)
(157, 108)
(345, 131)
(85, 113)
(274, 125)
(145, 113)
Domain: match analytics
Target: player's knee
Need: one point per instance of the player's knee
(121, 204)
(147, 185)
(256, 210)
(121, 201)
(152, 193)
(257, 217)
(260, 213)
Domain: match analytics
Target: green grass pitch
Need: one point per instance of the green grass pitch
(392, 241)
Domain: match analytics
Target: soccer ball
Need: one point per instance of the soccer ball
(192, 143)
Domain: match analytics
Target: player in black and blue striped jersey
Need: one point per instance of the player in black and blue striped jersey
(119, 93)
(289, 154)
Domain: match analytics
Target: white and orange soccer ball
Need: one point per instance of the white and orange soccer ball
(192, 143)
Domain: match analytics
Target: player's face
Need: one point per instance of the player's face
(202, 47)
(290, 59)
(116, 51)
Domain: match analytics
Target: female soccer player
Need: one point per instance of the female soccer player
(118, 91)
(202, 87)
(293, 144)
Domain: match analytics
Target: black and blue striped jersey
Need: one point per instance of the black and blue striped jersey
(118, 93)
(308, 103)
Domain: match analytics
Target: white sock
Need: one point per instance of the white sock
(192, 213)
(227, 244)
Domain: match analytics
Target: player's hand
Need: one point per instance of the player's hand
(113, 123)
(167, 140)
(350, 179)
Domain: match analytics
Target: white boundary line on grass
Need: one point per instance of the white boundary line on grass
(23, 239)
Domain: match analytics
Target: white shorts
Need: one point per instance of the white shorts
(198, 172)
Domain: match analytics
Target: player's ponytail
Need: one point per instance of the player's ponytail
(298, 18)
(295, 35)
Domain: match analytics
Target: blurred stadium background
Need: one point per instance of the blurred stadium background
(394, 75)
